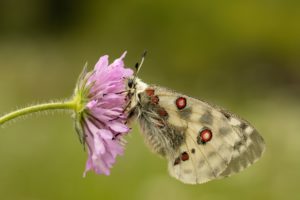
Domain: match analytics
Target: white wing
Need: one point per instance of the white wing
(234, 145)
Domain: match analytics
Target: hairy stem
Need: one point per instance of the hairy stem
(70, 105)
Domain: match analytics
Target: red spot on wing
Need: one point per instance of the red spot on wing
(149, 92)
(154, 99)
(185, 156)
(162, 112)
(181, 103)
(206, 135)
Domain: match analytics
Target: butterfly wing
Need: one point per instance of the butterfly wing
(246, 151)
(217, 144)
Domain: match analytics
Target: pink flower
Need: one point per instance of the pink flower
(101, 121)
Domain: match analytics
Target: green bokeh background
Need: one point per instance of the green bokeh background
(242, 55)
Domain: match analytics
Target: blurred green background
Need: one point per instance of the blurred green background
(242, 55)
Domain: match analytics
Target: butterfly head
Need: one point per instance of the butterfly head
(135, 85)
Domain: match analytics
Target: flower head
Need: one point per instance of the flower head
(100, 120)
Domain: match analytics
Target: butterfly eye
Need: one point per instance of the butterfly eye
(130, 83)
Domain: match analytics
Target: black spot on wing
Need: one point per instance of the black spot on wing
(207, 118)
(238, 145)
(227, 115)
(224, 130)
(243, 125)
(185, 113)
(177, 161)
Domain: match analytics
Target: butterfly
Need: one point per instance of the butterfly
(200, 141)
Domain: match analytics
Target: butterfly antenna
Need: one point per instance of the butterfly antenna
(137, 69)
(139, 65)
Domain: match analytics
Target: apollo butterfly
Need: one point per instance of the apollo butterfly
(201, 142)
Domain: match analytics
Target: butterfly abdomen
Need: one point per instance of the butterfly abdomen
(162, 137)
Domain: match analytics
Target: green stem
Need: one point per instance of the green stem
(71, 105)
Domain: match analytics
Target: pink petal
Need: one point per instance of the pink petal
(103, 62)
(91, 104)
(100, 166)
(118, 127)
(105, 134)
(88, 166)
(105, 107)
(98, 144)
(119, 62)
